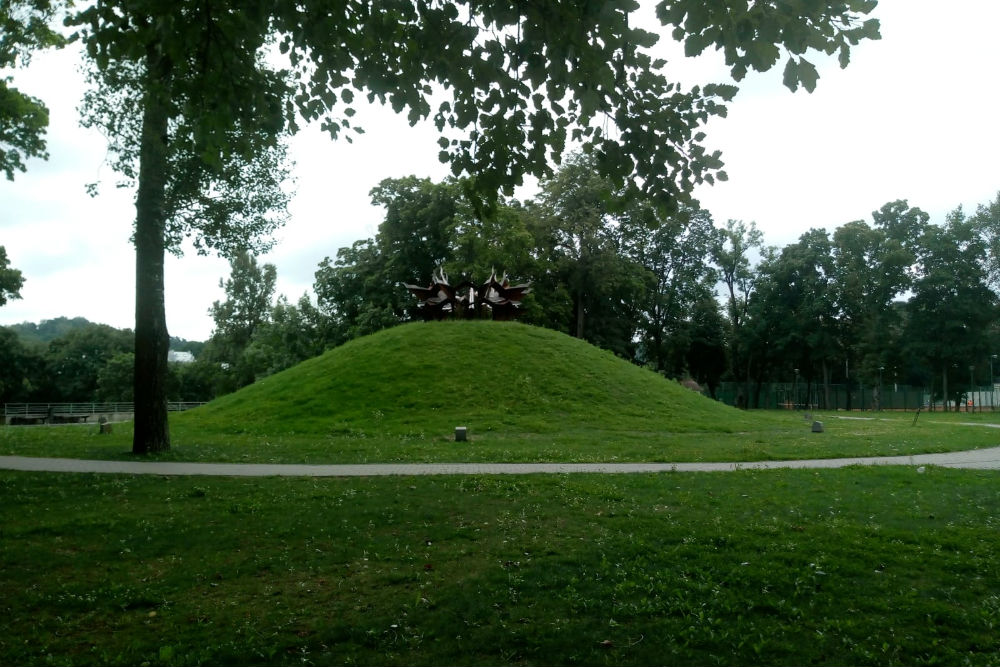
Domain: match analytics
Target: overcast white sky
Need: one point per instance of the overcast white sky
(914, 117)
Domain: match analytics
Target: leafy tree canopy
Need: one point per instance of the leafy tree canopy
(11, 280)
(508, 86)
(24, 27)
(74, 360)
(48, 330)
(249, 290)
(952, 307)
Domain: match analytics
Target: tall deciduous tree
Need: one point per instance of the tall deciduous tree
(676, 254)
(793, 316)
(352, 293)
(706, 356)
(732, 252)
(249, 290)
(291, 334)
(987, 219)
(520, 80)
(499, 242)
(361, 290)
(952, 307)
(872, 268)
(415, 236)
(195, 126)
(575, 228)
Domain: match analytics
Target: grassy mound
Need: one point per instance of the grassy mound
(426, 378)
(526, 394)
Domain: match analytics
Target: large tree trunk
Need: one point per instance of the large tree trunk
(944, 388)
(579, 314)
(749, 381)
(826, 386)
(152, 433)
(661, 362)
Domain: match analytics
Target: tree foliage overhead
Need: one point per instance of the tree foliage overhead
(519, 82)
(508, 85)
(751, 34)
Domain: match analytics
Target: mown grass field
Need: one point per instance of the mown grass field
(875, 566)
(775, 436)
(854, 566)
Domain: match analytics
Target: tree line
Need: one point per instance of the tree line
(896, 297)
(66, 360)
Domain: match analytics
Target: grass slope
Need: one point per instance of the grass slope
(427, 378)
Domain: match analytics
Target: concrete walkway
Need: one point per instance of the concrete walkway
(983, 459)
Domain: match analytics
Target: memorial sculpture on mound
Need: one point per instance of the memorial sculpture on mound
(498, 298)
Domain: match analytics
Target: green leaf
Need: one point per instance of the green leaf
(762, 55)
(808, 74)
(791, 75)
(845, 56)
(870, 29)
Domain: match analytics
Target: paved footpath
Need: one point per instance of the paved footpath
(978, 458)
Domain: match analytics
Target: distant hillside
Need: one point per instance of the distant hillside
(48, 330)
(430, 377)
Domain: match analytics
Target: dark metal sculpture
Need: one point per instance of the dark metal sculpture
(495, 297)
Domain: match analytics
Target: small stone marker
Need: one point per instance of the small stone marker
(461, 434)
(105, 425)
(817, 427)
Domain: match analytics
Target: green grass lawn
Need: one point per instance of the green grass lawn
(852, 566)
(768, 436)
(880, 566)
